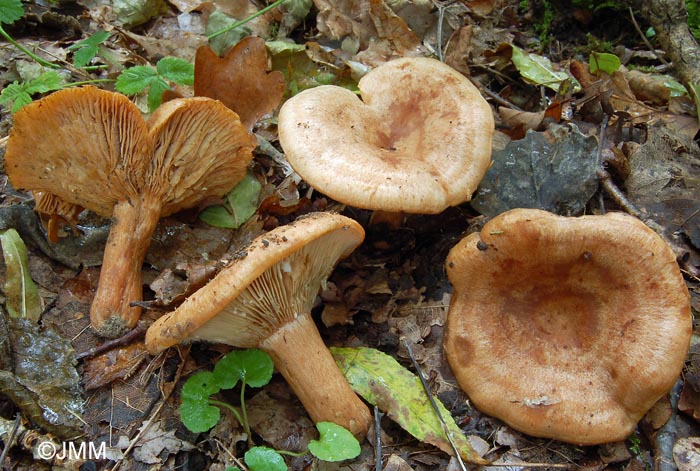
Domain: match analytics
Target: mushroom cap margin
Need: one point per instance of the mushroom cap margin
(567, 328)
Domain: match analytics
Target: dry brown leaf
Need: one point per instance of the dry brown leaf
(240, 80)
(686, 453)
(368, 21)
(119, 363)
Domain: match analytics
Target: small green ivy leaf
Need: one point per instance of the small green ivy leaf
(10, 11)
(260, 458)
(176, 70)
(253, 367)
(84, 51)
(335, 443)
(195, 411)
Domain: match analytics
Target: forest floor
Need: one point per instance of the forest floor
(626, 137)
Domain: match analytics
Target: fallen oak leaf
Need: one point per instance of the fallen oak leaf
(240, 80)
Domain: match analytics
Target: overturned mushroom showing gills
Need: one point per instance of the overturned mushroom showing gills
(92, 148)
(263, 299)
(419, 140)
(566, 328)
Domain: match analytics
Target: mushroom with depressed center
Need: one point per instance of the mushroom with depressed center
(566, 328)
(419, 140)
(263, 299)
(92, 148)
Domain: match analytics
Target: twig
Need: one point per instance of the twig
(125, 339)
(645, 40)
(378, 440)
(10, 439)
(434, 405)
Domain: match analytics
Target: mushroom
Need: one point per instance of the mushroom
(263, 299)
(566, 328)
(92, 148)
(418, 141)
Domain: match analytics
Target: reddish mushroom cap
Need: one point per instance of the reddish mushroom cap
(418, 141)
(567, 328)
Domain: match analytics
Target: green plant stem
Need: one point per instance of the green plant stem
(240, 23)
(292, 453)
(87, 82)
(38, 59)
(246, 426)
(228, 406)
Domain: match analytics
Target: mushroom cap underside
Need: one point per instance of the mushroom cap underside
(567, 328)
(418, 141)
(287, 262)
(92, 148)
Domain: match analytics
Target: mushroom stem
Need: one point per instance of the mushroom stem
(120, 277)
(300, 355)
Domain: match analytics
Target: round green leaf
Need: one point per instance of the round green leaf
(195, 411)
(261, 458)
(334, 444)
(254, 367)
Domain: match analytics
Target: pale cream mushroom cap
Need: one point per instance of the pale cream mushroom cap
(263, 299)
(566, 328)
(418, 141)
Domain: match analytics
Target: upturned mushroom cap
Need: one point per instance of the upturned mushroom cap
(92, 148)
(566, 328)
(418, 141)
(264, 298)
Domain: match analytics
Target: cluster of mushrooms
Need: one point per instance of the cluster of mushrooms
(563, 327)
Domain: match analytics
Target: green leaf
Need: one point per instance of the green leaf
(604, 61)
(86, 50)
(383, 382)
(241, 204)
(46, 82)
(335, 443)
(21, 93)
(136, 12)
(538, 70)
(260, 458)
(299, 8)
(176, 70)
(196, 413)
(253, 367)
(10, 11)
(22, 295)
(218, 21)
(155, 93)
(136, 79)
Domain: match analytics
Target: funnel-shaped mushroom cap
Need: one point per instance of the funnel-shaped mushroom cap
(264, 299)
(96, 149)
(567, 328)
(92, 148)
(418, 141)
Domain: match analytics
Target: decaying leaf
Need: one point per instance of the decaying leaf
(554, 171)
(240, 80)
(22, 294)
(118, 363)
(383, 382)
(664, 180)
(538, 70)
(44, 384)
(686, 454)
(366, 21)
(153, 441)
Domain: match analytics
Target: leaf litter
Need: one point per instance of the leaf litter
(381, 294)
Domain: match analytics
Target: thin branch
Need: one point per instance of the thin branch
(434, 405)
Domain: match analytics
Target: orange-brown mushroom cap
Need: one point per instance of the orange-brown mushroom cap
(264, 298)
(566, 328)
(418, 141)
(92, 148)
